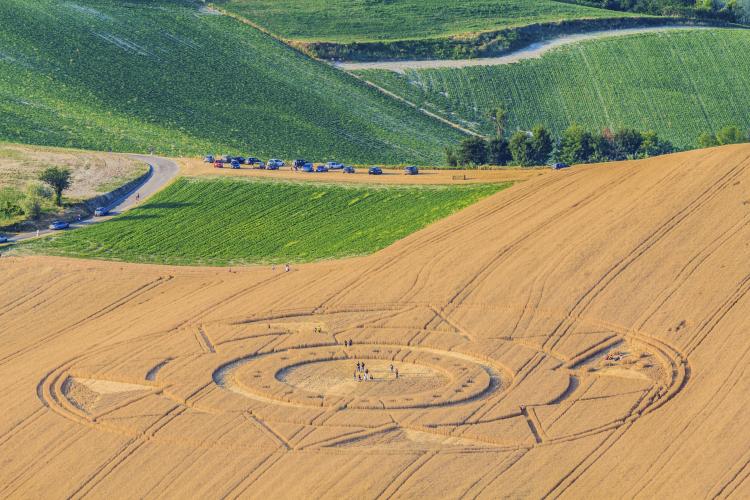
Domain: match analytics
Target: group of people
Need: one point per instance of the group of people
(363, 373)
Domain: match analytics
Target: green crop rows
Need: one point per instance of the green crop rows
(167, 75)
(365, 20)
(677, 83)
(221, 222)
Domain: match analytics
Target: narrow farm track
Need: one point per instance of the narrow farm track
(582, 331)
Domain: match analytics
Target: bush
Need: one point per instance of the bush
(577, 145)
(521, 148)
(730, 135)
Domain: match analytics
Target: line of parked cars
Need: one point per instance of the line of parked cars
(298, 165)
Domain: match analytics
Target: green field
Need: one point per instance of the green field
(368, 20)
(679, 84)
(168, 75)
(234, 222)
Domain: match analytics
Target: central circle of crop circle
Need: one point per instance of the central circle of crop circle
(382, 378)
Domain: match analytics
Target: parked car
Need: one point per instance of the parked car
(375, 171)
(226, 159)
(101, 212)
(235, 163)
(260, 165)
(411, 170)
(308, 167)
(208, 159)
(559, 165)
(57, 225)
(251, 160)
(218, 164)
(3, 239)
(272, 166)
(321, 168)
(348, 170)
(299, 163)
(275, 163)
(334, 165)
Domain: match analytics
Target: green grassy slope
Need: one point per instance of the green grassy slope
(678, 83)
(129, 76)
(367, 20)
(222, 222)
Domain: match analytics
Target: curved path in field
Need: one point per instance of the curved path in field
(532, 51)
(161, 173)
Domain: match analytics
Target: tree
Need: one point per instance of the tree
(472, 151)
(730, 135)
(577, 145)
(58, 179)
(498, 152)
(603, 146)
(707, 140)
(499, 116)
(652, 145)
(627, 143)
(521, 148)
(541, 145)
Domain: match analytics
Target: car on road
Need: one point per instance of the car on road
(101, 211)
(308, 167)
(334, 165)
(299, 163)
(226, 159)
(239, 159)
(235, 164)
(251, 160)
(274, 162)
(411, 170)
(321, 168)
(348, 170)
(272, 166)
(218, 164)
(208, 159)
(559, 165)
(57, 225)
(375, 171)
(3, 239)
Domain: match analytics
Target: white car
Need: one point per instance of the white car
(275, 163)
(334, 165)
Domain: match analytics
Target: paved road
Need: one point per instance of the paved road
(532, 51)
(162, 172)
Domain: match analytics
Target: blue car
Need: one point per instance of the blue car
(412, 170)
(272, 166)
(209, 158)
(235, 164)
(58, 225)
(307, 167)
(321, 168)
(558, 166)
(348, 170)
(375, 171)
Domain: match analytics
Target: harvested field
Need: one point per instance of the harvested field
(580, 334)
(93, 173)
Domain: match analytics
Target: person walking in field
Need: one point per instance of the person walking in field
(137, 197)
(286, 268)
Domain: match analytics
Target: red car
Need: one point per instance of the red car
(218, 164)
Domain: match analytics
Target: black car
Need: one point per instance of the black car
(239, 159)
(226, 159)
(299, 163)
(251, 160)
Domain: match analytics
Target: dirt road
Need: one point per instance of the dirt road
(162, 171)
(532, 51)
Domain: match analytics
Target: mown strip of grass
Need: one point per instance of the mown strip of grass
(232, 222)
